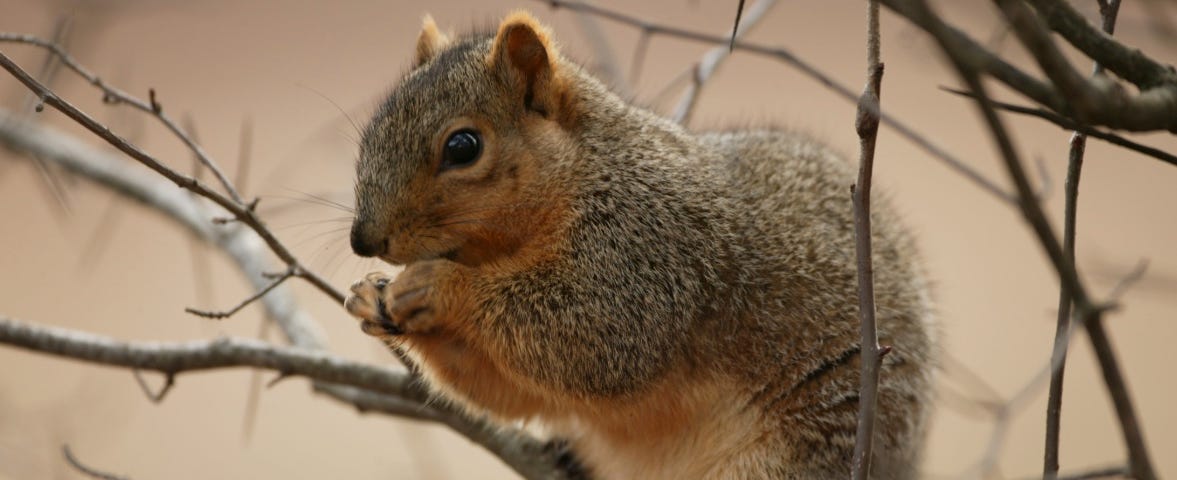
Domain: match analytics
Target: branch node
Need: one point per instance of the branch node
(155, 397)
(155, 106)
(281, 376)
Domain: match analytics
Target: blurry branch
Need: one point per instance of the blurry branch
(1128, 63)
(702, 71)
(50, 67)
(82, 468)
(1096, 103)
(866, 124)
(1058, 355)
(172, 358)
(248, 252)
(1070, 124)
(1087, 313)
(239, 210)
(784, 55)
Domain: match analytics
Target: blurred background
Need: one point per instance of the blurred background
(286, 81)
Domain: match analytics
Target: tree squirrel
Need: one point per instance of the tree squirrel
(676, 305)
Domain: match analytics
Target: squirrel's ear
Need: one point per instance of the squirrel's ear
(430, 41)
(524, 54)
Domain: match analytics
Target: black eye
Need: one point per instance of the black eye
(461, 149)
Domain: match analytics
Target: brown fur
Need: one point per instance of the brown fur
(677, 305)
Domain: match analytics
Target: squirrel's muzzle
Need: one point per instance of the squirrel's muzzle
(367, 241)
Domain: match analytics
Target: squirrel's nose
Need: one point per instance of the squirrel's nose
(365, 243)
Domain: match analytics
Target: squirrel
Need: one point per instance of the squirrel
(672, 304)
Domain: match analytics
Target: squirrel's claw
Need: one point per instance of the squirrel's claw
(386, 307)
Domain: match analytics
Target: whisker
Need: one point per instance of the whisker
(314, 222)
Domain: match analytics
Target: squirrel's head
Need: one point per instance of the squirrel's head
(451, 165)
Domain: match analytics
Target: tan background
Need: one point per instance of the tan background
(283, 63)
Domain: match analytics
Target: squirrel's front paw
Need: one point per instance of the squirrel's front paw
(394, 307)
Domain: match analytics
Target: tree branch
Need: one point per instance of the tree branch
(171, 358)
(1110, 105)
(1129, 63)
(1070, 124)
(867, 126)
(1089, 314)
(1058, 356)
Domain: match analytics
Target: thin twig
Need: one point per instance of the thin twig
(736, 25)
(174, 358)
(1058, 355)
(1070, 124)
(291, 272)
(85, 470)
(867, 126)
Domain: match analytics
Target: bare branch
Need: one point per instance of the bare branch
(1102, 103)
(90, 472)
(1088, 313)
(1036, 38)
(1070, 124)
(290, 272)
(736, 25)
(867, 126)
(1129, 63)
(1058, 355)
(172, 358)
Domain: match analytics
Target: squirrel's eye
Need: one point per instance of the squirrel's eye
(461, 149)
